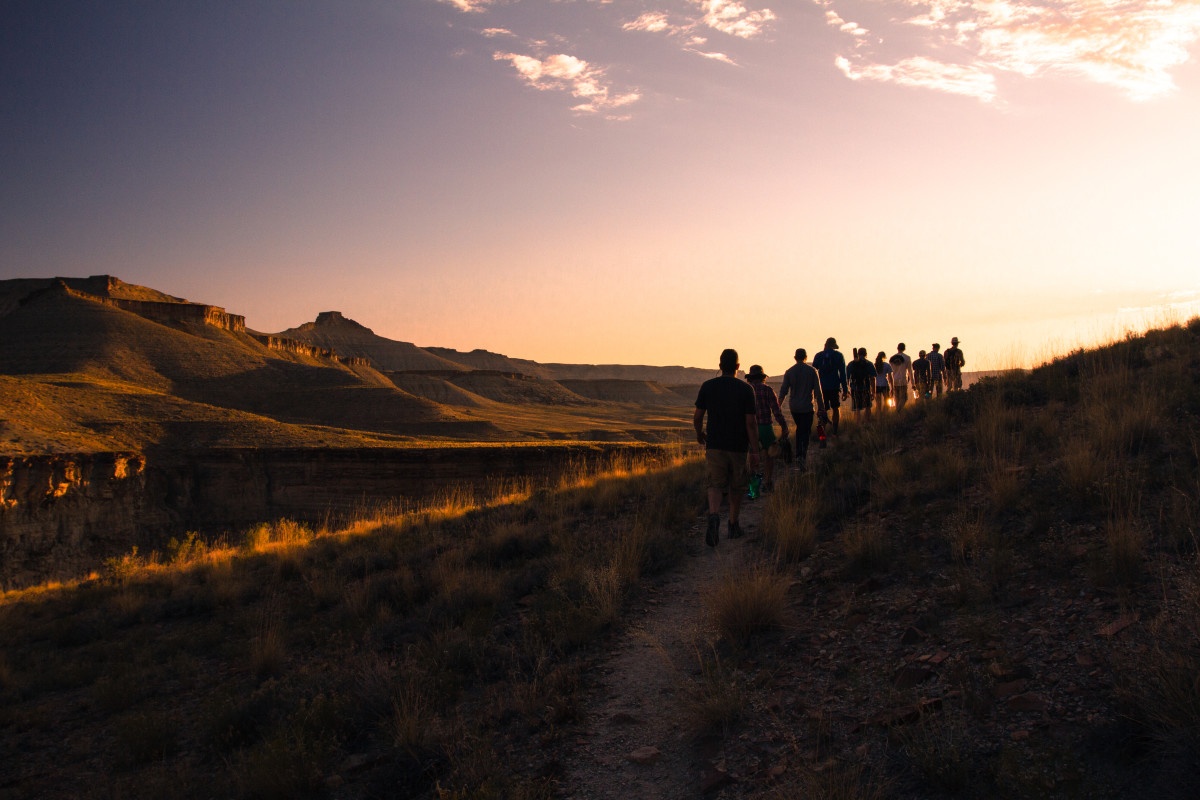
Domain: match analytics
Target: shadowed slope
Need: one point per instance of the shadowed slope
(624, 391)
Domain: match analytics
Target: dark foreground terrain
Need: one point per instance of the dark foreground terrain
(990, 595)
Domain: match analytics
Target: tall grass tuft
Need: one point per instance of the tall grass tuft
(867, 545)
(789, 526)
(749, 602)
(715, 700)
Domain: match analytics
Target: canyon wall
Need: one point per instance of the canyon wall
(61, 516)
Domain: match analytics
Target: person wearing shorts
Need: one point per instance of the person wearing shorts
(731, 429)
(883, 382)
(766, 406)
(861, 376)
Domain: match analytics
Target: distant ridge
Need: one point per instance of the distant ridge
(346, 337)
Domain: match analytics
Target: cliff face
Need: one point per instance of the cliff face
(61, 516)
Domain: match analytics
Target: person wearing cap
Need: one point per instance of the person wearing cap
(801, 382)
(766, 405)
(831, 368)
(937, 369)
(901, 375)
(954, 364)
(861, 375)
(731, 431)
(920, 370)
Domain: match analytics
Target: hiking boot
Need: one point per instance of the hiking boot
(714, 530)
(735, 530)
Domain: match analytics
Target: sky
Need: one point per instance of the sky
(619, 181)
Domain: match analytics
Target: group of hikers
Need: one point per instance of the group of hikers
(740, 413)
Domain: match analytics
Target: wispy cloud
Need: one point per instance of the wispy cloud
(651, 22)
(561, 72)
(724, 16)
(1131, 45)
(733, 18)
(469, 5)
(926, 73)
(715, 57)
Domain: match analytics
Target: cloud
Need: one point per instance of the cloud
(561, 72)
(1130, 45)
(733, 18)
(468, 6)
(651, 22)
(492, 33)
(928, 74)
(715, 57)
(725, 16)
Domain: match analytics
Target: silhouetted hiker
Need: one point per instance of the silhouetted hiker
(901, 375)
(831, 367)
(937, 370)
(802, 383)
(861, 376)
(883, 382)
(766, 405)
(731, 431)
(954, 364)
(921, 376)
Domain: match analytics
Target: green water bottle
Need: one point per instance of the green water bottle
(755, 486)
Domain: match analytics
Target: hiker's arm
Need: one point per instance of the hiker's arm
(698, 424)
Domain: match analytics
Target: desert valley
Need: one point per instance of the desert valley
(130, 416)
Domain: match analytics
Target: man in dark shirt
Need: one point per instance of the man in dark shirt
(831, 366)
(921, 374)
(732, 430)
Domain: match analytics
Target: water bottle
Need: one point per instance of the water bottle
(755, 486)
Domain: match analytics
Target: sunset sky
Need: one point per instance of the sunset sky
(619, 182)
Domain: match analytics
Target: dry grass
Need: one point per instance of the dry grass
(789, 525)
(867, 545)
(749, 602)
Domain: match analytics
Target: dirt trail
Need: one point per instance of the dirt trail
(636, 740)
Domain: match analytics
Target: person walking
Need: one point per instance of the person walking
(901, 375)
(954, 364)
(883, 382)
(937, 370)
(766, 406)
(831, 368)
(728, 433)
(920, 370)
(803, 385)
(861, 376)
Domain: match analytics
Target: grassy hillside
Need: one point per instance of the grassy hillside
(992, 595)
(415, 646)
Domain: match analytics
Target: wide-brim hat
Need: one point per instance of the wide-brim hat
(954, 340)
(831, 342)
(756, 373)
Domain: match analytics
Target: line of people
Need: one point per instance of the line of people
(740, 414)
